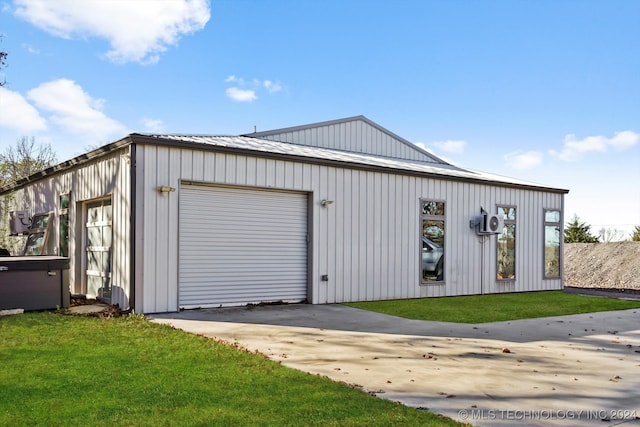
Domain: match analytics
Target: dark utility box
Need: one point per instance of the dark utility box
(34, 283)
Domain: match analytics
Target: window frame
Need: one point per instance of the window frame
(63, 220)
(429, 217)
(41, 233)
(558, 225)
(507, 222)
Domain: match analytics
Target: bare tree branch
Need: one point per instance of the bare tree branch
(24, 159)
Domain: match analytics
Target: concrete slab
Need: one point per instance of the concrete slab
(569, 370)
(88, 308)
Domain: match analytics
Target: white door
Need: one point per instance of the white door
(240, 246)
(98, 249)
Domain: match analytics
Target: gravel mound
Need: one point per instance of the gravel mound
(602, 265)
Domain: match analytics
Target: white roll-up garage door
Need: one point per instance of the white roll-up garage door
(240, 246)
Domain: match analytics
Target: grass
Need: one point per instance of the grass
(496, 307)
(58, 370)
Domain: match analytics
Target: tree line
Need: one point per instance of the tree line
(580, 232)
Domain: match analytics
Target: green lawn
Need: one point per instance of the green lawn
(58, 370)
(496, 307)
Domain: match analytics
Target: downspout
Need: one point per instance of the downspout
(132, 227)
(483, 240)
(561, 242)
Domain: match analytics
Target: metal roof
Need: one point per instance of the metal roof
(253, 146)
(286, 150)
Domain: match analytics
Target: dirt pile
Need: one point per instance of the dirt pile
(602, 265)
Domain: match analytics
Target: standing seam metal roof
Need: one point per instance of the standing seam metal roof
(348, 158)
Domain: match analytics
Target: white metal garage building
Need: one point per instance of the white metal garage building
(329, 212)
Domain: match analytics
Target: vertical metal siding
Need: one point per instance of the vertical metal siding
(356, 136)
(367, 241)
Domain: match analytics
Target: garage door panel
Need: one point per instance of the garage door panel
(241, 246)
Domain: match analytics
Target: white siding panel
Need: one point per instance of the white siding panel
(355, 136)
(240, 246)
(367, 241)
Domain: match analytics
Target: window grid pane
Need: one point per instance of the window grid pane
(433, 240)
(552, 242)
(507, 253)
(506, 246)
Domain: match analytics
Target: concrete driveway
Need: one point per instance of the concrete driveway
(568, 371)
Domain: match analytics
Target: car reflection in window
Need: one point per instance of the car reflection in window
(432, 261)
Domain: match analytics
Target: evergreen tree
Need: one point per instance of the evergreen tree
(578, 232)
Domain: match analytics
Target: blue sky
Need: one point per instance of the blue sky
(547, 91)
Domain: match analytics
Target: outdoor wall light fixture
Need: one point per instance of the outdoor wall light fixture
(163, 189)
(326, 202)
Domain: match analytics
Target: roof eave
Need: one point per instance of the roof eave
(68, 164)
(152, 140)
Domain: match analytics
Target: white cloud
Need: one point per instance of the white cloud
(574, 148)
(523, 160)
(238, 93)
(272, 87)
(451, 146)
(241, 95)
(137, 31)
(430, 151)
(32, 50)
(75, 111)
(422, 145)
(18, 114)
(152, 125)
